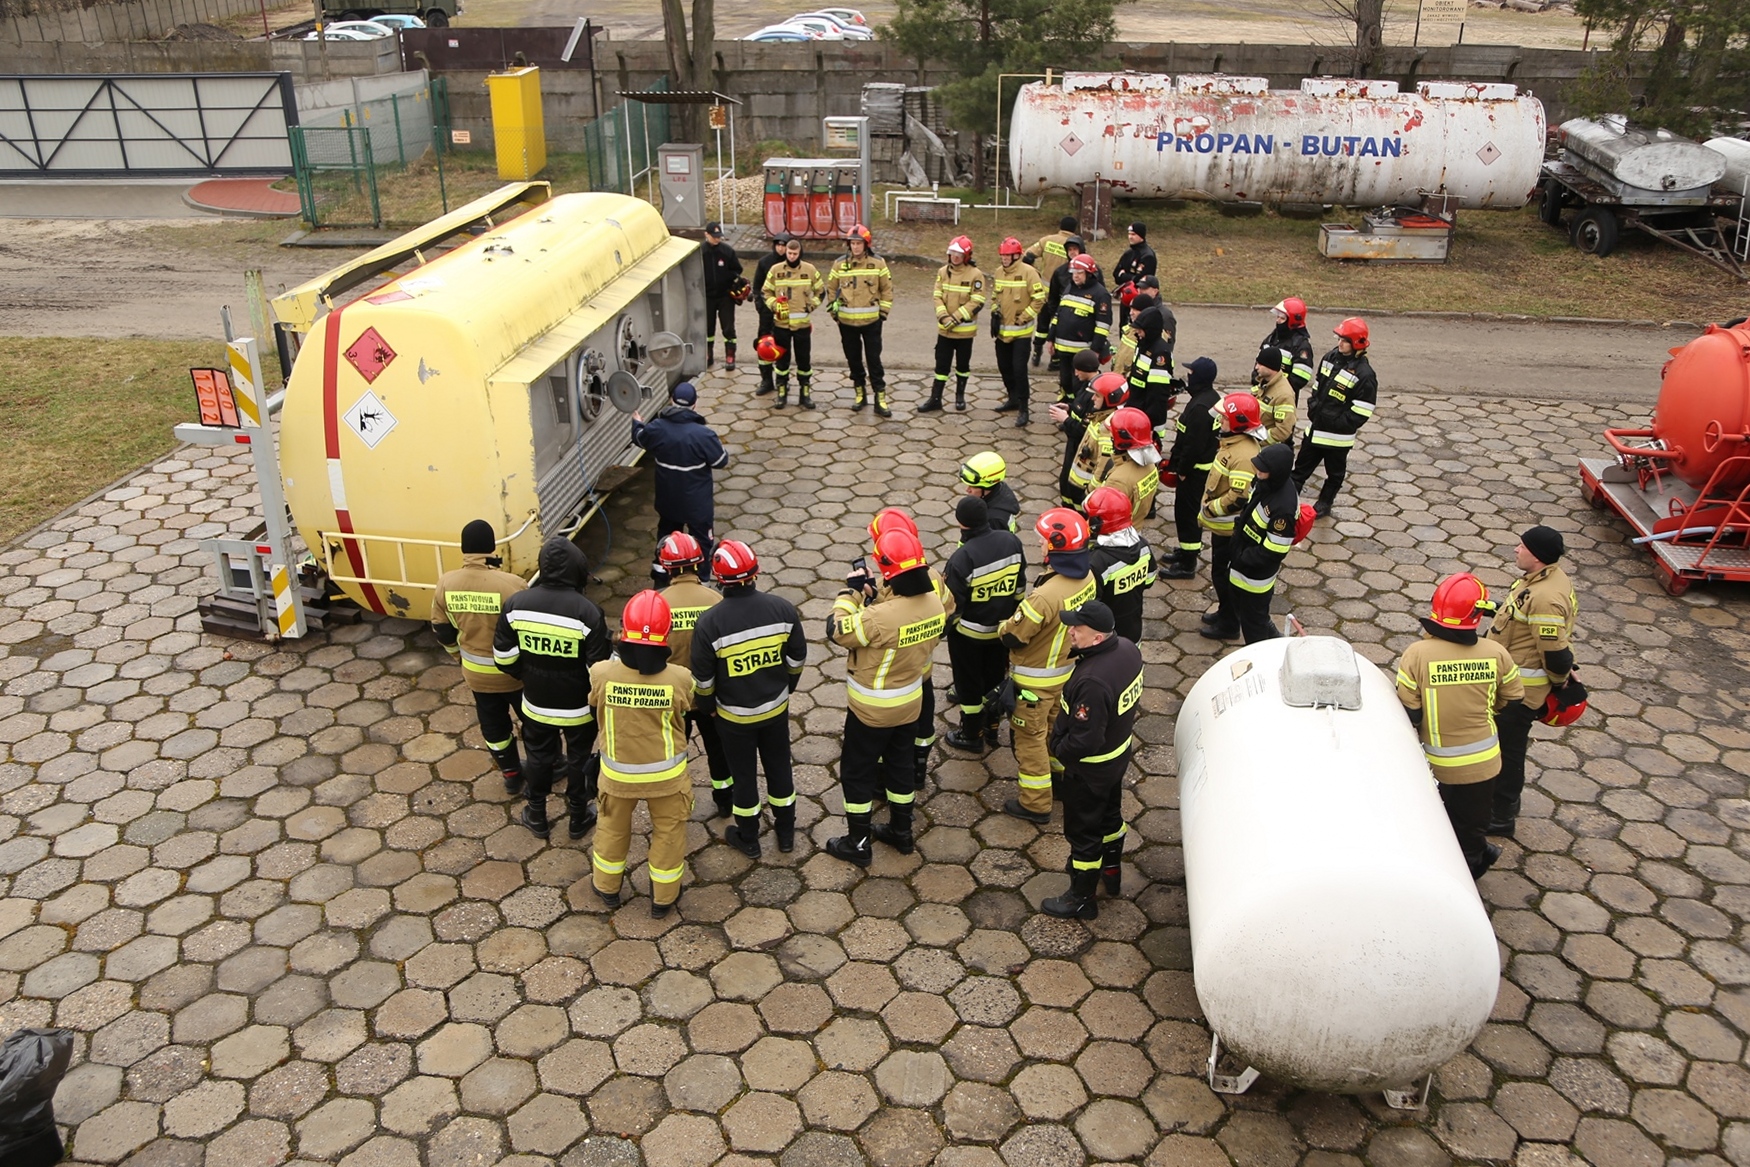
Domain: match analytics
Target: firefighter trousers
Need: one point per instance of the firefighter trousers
(1252, 610)
(668, 843)
(1467, 808)
(955, 352)
(496, 727)
(862, 345)
(555, 749)
(749, 746)
(865, 747)
(1031, 729)
(798, 347)
(719, 320)
(715, 758)
(1220, 558)
(978, 667)
(1336, 463)
(1187, 501)
(1012, 365)
(1513, 724)
(1093, 818)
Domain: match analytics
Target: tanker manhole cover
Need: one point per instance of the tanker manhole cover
(1070, 144)
(370, 354)
(1488, 153)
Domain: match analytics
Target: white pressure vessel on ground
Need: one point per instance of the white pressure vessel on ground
(1642, 157)
(1736, 152)
(1337, 939)
(1359, 143)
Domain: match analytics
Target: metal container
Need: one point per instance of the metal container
(1337, 939)
(1736, 151)
(1649, 159)
(1703, 412)
(1233, 139)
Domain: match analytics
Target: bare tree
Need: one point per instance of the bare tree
(689, 58)
(1363, 23)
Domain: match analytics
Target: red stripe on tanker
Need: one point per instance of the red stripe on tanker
(1233, 139)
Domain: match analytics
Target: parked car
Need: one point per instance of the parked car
(832, 29)
(850, 30)
(367, 29)
(334, 32)
(786, 32)
(398, 20)
(846, 16)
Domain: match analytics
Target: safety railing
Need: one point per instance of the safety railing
(333, 544)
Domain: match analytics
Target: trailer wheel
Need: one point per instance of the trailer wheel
(437, 18)
(1673, 583)
(1549, 209)
(1595, 231)
(1595, 498)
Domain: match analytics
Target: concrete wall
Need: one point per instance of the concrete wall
(136, 20)
(787, 88)
(302, 59)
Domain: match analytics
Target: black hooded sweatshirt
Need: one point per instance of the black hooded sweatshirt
(1199, 436)
(1259, 545)
(550, 634)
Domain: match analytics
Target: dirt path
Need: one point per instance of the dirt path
(119, 278)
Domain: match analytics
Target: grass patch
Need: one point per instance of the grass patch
(81, 413)
(416, 194)
(1502, 261)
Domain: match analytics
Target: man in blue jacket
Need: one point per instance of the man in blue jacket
(685, 451)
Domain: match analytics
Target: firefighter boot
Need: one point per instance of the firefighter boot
(1022, 418)
(710, 353)
(1111, 866)
(970, 735)
(934, 402)
(859, 397)
(992, 735)
(580, 795)
(1078, 902)
(784, 826)
(1038, 348)
(723, 801)
(1010, 404)
(807, 380)
(853, 845)
(920, 764)
(729, 355)
(535, 818)
(896, 831)
(510, 764)
(882, 408)
(766, 381)
(783, 392)
(960, 394)
(1182, 566)
(744, 834)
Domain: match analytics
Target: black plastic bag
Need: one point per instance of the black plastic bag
(32, 1063)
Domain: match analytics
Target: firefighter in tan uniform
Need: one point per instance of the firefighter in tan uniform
(792, 293)
(1014, 314)
(890, 646)
(859, 295)
(1087, 441)
(1536, 626)
(1045, 257)
(1275, 394)
(640, 703)
(961, 294)
(1454, 685)
(1039, 649)
(1133, 466)
(1224, 497)
(924, 734)
(689, 597)
(464, 615)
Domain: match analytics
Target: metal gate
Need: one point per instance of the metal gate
(152, 124)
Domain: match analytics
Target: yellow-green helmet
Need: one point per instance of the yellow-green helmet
(984, 470)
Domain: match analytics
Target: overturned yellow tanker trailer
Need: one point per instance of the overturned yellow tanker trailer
(495, 381)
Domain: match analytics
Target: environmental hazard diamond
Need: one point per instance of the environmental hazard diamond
(1070, 144)
(1489, 153)
(370, 419)
(370, 354)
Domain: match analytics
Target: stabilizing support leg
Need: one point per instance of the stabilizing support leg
(1228, 1083)
(1410, 1098)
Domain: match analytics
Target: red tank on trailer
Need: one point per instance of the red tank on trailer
(1684, 483)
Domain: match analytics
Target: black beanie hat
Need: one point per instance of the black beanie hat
(1068, 223)
(1275, 359)
(1545, 543)
(478, 538)
(1140, 228)
(972, 513)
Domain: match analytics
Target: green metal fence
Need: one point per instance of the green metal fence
(339, 166)
(620, 146)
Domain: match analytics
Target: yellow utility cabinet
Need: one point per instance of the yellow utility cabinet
(517, 128)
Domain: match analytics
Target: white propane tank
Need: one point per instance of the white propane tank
(1234, 139)
(1337, 940)
(1736, 151)
(1650, 159)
